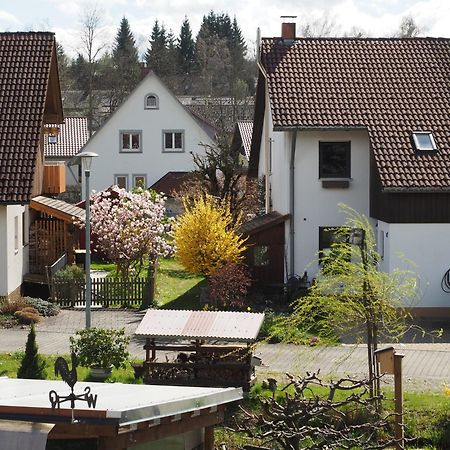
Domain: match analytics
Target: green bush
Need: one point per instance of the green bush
(32, 365)
(44, 307)
(98, 347)
(70, 273)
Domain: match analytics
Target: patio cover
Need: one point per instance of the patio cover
(207, 325)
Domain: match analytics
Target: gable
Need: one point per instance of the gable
(27, 61)
(392, 87)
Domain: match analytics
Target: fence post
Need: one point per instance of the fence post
(148, 295)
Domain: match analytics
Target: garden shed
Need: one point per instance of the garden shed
(125, 416)
(200, 348)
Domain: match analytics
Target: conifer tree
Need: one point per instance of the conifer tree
(186, 48)
(32, 365)
(126, 60)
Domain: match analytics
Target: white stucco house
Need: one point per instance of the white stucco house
(364, 122)
(29, 98)
(148, 136)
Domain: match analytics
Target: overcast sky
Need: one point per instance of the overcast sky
(376, 17)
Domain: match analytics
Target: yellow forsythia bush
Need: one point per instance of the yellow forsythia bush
(205, 236)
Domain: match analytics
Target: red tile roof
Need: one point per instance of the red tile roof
(73, 135)
(391, 86)
(25, 61)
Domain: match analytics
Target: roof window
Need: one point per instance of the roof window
(424, 141)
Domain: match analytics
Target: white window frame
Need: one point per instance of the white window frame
(417, 144)
(120, 175)
(140, 175)
(155, 106)
(52, 138)
(130, 133)
(172, 149)
(16, 234)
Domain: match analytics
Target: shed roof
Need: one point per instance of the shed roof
(117, 403)
(390, 86)
(209, 325)
(57, 208)
(172, 182)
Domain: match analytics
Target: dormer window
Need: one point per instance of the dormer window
(424, 141)
(151, 101)
(52, 139)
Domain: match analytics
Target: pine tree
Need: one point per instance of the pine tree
(32, 365)
(125, 60)
(185, 48)
(157, 49)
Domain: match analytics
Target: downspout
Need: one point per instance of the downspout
(292, 205)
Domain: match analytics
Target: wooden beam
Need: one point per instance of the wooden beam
(165, 429)
(209, 439)
(81, 431)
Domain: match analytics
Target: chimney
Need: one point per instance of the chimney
(288, 28)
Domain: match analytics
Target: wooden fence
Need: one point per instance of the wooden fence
(106, 292)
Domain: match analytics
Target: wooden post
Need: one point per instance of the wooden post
(398, 390)
(209, 438)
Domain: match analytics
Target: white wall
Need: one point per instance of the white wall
(171, 115)
(427, 245)
(14, 261)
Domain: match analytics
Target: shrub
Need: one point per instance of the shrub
(27, 315)
(70, 273)
(11, 306)
(44, 307)
(32, 365)
(228, 286)
(206, 236)
(98, 347)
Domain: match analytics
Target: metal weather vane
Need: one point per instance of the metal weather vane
(70, 377)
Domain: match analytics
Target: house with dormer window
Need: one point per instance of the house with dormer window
(365, 122)
(150, 136)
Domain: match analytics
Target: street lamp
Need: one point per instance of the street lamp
(86, 161)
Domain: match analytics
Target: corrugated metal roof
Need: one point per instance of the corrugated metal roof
(120, 403)
(211, 325)
(57, 208)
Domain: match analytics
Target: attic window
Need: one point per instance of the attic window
(52, 139)
(151, 101)
(424, 141)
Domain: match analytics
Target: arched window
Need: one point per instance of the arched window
(151, 101)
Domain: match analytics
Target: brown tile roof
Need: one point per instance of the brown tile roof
(73, 135)
(392, 87)
(263, 222)
(57, 208)
(25, 62)
(172, 182)
(245, 128)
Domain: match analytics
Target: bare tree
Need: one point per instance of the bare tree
(408, 28)
(92, 45)
(325, 26)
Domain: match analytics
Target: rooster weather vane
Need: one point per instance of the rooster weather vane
(70, 377)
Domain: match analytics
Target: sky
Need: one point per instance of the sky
(63, 17)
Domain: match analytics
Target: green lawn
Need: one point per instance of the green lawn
(175, 287)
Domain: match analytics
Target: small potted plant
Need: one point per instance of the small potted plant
(101, 350)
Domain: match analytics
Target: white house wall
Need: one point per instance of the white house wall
(427, 245)
(315, 206)
(14, 258)
(152, 161)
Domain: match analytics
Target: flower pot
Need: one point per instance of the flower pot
(100, 373)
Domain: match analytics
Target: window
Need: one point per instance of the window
(327, 237)
(16, 234)
(173, 141)
(121, 181)
(424, 141)
(334, 159)
(130, 141)
(151, 101)
(52, 138)
(380, 246)
(140, 181)
(24, 229)
(261, 255)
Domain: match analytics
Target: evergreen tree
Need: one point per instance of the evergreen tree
(157, 49)
(185, 48)
(63, 67)
(32, 365)
(125, 60)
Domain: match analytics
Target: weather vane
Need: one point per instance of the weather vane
(70, 377)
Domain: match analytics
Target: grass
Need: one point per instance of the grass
(175, 287)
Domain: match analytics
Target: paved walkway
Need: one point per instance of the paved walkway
(426, 366)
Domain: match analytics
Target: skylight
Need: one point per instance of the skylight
(424, 141)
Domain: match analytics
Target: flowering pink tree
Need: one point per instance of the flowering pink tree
(130, 227)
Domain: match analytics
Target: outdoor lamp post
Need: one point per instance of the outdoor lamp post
(86, 161)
